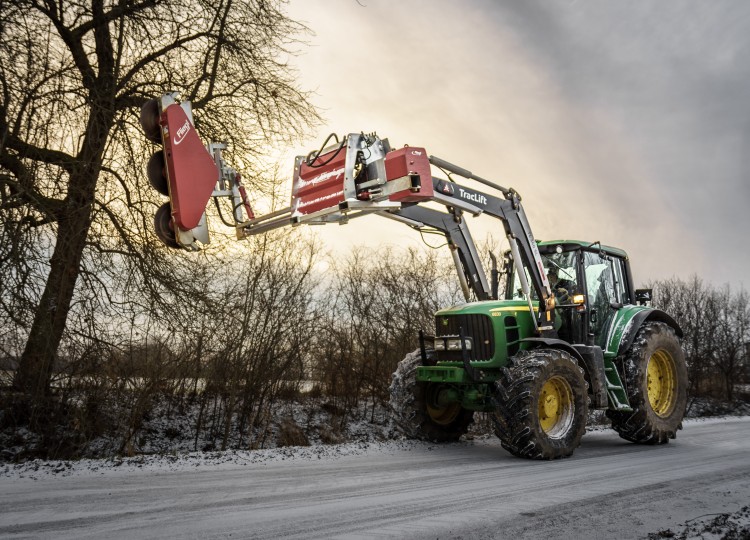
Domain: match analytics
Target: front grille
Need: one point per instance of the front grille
(512, 335)
(477, 327)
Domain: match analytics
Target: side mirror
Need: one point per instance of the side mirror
(643, 296)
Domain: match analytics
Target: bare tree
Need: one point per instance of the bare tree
(376, 307)
(733, 331)
(72, 76)
(259, 350)
(716, 326)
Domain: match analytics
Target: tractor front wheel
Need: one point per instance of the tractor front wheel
(416, 407)
(542, 405)
(656, 382)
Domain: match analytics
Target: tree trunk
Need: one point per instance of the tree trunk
(37, 361)
(51, 315)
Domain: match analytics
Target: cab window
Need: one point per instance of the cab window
(605, 279)
(560, 269)
(605, 287)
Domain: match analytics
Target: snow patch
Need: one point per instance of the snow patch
(230, 459)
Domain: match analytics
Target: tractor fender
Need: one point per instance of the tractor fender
(643, 316)
(590, 359)
(552, 343)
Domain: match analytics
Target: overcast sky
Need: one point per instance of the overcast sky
(626, 122)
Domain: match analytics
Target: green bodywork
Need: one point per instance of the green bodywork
(506, 317)
(510, 322)
(619, 328)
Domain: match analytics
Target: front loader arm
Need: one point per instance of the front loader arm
(511, 214)
(453, 226)
(358, 175)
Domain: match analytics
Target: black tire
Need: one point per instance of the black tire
(163, 226)
(413, 409)
(150, 121)
(658, 399)
(156, 172)
(542, 405)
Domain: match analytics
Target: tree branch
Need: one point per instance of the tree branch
(155, 55)
(72, 41)
(45, 155)
(25, 190)
(122, 9)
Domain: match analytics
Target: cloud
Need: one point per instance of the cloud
(621, 122)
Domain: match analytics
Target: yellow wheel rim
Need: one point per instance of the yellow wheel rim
(556, 407)
(441, 414)
(661, 381)
(444, 415)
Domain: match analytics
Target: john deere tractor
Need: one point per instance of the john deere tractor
(604, 350)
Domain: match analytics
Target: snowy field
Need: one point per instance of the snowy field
(395, 489)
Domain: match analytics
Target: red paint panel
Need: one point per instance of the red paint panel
(407, 161)
(192, 170)
(320, 187)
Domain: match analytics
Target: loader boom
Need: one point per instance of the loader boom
(356, 176)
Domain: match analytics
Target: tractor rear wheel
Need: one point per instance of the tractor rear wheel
(542, 405)
(415, 406)
(656, 380)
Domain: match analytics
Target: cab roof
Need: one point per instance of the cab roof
(589, 246)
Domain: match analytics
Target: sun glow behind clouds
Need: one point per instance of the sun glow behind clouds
(573, 105)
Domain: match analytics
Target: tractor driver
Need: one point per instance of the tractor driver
(562, 288)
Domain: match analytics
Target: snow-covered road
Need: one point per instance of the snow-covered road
(609, 489)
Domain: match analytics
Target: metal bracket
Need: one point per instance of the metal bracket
(472, 373)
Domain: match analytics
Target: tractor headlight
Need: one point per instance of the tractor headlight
(454, 344)
(438, 344)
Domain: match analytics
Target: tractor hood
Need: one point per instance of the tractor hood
(493, 308)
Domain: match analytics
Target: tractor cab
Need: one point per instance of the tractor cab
(591, 282)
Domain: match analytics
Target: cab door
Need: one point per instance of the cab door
(606, 290)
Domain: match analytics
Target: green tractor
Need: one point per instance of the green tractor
(610, 352)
